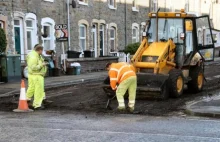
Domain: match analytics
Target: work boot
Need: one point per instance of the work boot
(40, 108)
(121, 109)
(29, 103)
(47, 102)
(130, 109)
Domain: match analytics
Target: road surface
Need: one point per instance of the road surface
(48, 126)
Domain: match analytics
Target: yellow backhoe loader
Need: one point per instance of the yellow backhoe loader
(174, 47)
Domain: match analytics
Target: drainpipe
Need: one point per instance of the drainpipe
(68, 20)
(125, 23)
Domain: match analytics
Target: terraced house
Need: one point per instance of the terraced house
(104, 26)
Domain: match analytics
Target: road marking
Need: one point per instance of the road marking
(217, 76)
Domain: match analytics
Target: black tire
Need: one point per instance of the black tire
(193, 85)
(174, 75)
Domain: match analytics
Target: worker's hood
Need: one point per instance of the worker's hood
(155, 49)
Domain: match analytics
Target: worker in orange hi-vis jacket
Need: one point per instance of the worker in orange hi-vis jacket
(123, 75)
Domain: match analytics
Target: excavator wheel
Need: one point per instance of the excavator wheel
(176, 83)
(196, 84)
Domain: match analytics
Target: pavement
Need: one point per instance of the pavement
(210, 105)
(8, 89)
(207, 107)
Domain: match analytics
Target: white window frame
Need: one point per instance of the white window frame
(154, 5)
(114, 38)
(32, 17)
(83, 38)
(85, 2)
(2, 24)
(136, 38)
(135, 7)
(102, 29)
(49, 22)
(114, 6)
(49, 0)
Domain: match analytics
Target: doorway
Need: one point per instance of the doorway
(101, 34)
(94, 33)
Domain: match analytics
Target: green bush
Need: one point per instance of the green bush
(3, 41)
(132, 48)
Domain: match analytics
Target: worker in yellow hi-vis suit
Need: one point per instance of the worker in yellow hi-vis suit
(36, 72)
(124, 76)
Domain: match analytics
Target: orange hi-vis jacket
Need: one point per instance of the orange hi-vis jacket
(119, 72)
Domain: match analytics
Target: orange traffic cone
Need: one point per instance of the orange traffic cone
(23, 105)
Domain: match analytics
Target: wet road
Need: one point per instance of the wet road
(47, 126)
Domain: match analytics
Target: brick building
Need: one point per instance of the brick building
(101, 25)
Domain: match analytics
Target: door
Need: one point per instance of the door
(101, 34)
(95, 39)
(205, 42)
(17, 40)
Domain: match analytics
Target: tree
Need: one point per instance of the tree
(3, 41)
(132, 48)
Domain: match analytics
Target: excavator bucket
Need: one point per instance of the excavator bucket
(151, 85)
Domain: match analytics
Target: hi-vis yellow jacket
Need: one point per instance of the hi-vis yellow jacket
(119, 72)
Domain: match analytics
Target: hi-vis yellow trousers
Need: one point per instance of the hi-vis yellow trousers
(129, 84)
(36, 89)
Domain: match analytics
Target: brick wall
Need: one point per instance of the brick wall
(93, 65)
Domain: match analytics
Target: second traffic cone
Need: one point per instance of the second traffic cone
(23, 105)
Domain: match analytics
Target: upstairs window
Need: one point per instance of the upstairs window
(112, 4)
(135, 5)
(1, 24)
(49, 0)
(83, 2)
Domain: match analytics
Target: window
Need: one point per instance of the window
(112, 39)
(47, 40)
(49, 0)
(48, 33)
(112, 4)
(135, 5)
(1, 24)
(135, 34)
(154, 5)
(82, 37)
(83, 2)
(30, 34)
(31, 30)
(168, 28)
(17, 22)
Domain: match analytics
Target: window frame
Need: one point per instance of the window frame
(30, 29)
(49, 0)
(49, 22)
(2, 24)
(112, 39)
(137, 38)
(47, 38)
(84, 2)
(83, 38)
(114, 6)
(135, 7)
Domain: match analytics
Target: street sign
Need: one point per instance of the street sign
(61, 32)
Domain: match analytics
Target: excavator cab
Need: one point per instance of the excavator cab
(172, 54)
